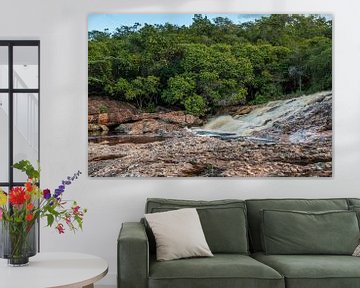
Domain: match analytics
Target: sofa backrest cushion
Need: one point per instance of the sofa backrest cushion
(298, 232)
(354, 205)
(353, 202)
(223, 221)
(256, 205)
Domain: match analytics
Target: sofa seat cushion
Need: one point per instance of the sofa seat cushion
(313, 271)
(222, 270)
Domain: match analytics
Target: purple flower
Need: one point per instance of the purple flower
(68, 181)
(46, 194)
(57, 193)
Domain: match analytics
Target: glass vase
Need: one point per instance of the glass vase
(18, 242)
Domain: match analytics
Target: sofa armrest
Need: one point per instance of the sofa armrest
(133, 256)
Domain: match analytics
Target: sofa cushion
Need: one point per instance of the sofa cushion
(353, 201)
(313, 271)
(356, 209)
(222, 270)
(254, 216)
(223, 221)
(354, 205)
(297, 232)
(178, 234)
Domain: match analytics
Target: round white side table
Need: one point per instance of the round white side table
(50, 270)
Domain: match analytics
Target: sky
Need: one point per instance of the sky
(100, 22)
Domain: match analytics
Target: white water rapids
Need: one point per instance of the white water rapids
(267, 117)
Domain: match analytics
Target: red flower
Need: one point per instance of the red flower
(29, 206)
(29, 217)
(27, 196)
(17, 196)
(29, 186)
(60, 228)
(75, 209)
(68, 219)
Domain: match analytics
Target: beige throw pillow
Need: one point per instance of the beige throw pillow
(178, 234)
(357, 251)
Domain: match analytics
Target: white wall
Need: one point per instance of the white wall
(62, 28)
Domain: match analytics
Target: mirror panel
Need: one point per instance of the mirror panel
(26, 130)
(4, 138)
(26, 69)
(4, 67)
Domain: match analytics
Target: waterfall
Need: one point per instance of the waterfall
(297, 120)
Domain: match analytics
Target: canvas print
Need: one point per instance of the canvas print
(210, 95)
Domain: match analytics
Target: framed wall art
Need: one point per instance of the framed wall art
(210, 95)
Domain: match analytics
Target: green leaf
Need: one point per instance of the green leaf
(52, 211)
(50, 219)
(26, 167)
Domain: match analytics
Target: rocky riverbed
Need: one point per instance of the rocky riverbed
(282, 138)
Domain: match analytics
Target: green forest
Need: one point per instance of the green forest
(212, 63)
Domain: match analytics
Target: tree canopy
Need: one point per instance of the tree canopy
(213, 62)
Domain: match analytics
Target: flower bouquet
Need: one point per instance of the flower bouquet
(21, 208)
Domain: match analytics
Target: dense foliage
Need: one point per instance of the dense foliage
(212, 63)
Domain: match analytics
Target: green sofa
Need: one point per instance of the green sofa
(233, 230)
